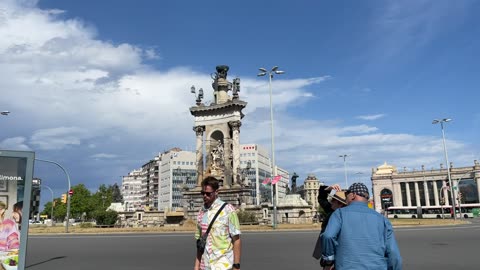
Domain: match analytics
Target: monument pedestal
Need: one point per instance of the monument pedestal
(235, 196)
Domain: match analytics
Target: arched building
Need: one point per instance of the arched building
(425, 187)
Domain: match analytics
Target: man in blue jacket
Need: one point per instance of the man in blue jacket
(358, 237)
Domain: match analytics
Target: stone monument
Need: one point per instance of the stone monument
(217, 129)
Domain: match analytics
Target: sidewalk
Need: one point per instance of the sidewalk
(191, 228)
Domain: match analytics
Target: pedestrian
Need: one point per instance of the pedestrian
(222, 249)
(330, 199)
(358, 237)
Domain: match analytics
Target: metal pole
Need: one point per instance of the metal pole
(51, 216)
(274, 169)
(452, 189)
(68, 191)
(345, 167)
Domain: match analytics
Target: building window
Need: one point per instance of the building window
(468, 188)
(403, 187)
(431, 194)
(413, 198)
(421, 191)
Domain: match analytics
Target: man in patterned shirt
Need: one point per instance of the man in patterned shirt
(222, 251)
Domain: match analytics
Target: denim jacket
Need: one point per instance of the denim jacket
(358, 237)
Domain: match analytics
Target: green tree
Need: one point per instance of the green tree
(47, 210)
(80, 201)
(116, 194)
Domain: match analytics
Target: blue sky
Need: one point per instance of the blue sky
(103, 86)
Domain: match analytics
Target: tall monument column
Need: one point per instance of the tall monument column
(199, 153)
(235, 126)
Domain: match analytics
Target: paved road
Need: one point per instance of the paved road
(421, 248)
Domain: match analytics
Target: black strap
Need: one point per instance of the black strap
(215, 217)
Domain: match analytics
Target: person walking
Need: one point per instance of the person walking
(222, 249)
(330, 199)
(358, 237)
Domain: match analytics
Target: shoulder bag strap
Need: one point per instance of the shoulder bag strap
(215, 217)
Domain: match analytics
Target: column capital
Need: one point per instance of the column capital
(235, 125)
(199, 130)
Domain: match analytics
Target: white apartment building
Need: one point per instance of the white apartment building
(283, 183)
(178, 171)
(260, 168)
(132, 191)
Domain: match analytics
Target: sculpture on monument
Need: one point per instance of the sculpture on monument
(218, 160)
(294, 182)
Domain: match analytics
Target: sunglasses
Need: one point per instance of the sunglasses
(207, 193)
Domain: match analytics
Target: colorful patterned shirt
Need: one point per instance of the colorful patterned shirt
(218, 253)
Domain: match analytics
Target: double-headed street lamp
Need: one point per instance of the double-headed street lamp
(270, 73)
(452, 193)
(4, 113)
(344, 156)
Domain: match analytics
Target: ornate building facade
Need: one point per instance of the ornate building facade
(425, 187)
(310, 190)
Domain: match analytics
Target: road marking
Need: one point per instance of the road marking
(437, 228)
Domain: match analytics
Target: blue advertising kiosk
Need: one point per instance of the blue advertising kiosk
(16, 173)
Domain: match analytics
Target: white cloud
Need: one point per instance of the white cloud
(15, 143)
(58, 138)
(90, 98)
(370, 117)
(103, 156)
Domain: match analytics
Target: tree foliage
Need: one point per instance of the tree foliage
(85, 205)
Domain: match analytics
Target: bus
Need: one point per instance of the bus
(418, 212)
(466, 211)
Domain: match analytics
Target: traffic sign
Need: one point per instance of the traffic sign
(70, 192)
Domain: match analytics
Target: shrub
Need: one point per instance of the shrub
(106, 217)
(86, 225)
(246, 217)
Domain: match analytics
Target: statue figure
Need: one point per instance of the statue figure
(217, 158)
(222, 71)
(294, 182)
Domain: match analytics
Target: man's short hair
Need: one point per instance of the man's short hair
(211, 181)
(360, 189)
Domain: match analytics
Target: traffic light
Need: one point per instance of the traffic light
(64, 198)
(459, 196)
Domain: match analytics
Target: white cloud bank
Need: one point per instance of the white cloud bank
(76, 92)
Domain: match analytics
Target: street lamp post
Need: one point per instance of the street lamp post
(344, 156)
(45, 186)
(69, 187)
(270, 73)
(452, 193)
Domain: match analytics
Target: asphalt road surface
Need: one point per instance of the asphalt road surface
(421, 248)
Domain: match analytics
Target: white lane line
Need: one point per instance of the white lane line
(436, 228)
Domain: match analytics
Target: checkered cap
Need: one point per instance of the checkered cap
(360, 189)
